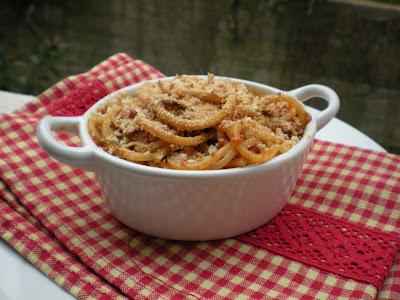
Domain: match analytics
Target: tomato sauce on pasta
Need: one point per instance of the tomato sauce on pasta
(192, 123)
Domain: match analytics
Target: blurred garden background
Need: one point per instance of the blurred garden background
(351, 46)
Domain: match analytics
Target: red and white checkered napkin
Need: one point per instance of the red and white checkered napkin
(343, 216)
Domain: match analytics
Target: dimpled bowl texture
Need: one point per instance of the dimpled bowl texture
(190, 205)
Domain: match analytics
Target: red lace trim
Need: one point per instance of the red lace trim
(328, 243)
(78, 101)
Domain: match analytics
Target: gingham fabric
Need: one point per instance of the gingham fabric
(27, 235)
(68, 204)
(51, 259)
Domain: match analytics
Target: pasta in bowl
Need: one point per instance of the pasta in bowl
(194, 157)
(192, 123)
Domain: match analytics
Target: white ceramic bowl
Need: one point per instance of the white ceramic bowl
(190, 205)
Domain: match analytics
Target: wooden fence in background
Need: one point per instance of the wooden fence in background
(352, 46)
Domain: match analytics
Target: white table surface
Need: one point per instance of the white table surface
(19, 280)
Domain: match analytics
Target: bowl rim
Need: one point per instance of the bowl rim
(133, 168)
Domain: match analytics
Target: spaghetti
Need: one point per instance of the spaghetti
(190, 123)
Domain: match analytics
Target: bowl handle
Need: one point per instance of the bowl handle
(317, 90)
(81, 157)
